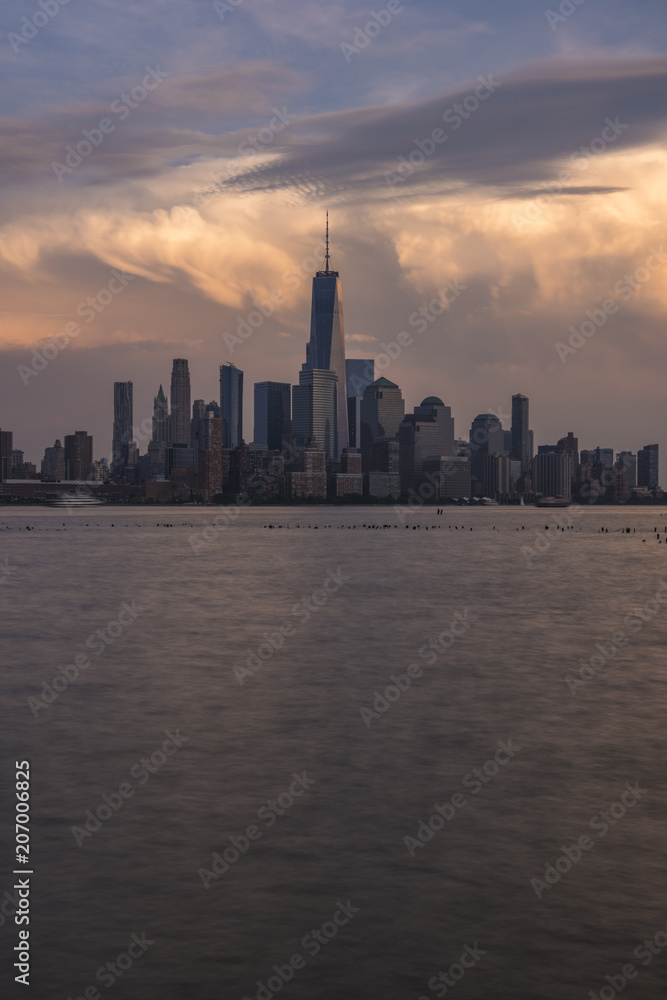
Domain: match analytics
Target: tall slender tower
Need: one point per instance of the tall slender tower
(157, 449)
(325, 350)
(160, 418)
(180, 403)
(122, 427)
(521, 448)
(231, 405)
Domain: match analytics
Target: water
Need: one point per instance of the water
(525, 623)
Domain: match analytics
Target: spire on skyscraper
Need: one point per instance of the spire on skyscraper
(326, 272)
(327, 256)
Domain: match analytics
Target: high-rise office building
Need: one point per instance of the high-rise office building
(450, 475)
(78, 455)
(605, 457)
(6, 448)
(198, 413)
(521, 443)
(486, 438)
(570, 446)
(325, 350)
(629, 460)
(552, 475)
(122, 427)
(648, 467)
(428, 432)
(53, 463)
(315, 411)
(273, 413)
(359, 372)
(209, 461)
(497, 476)
(156, 461)
(382, 411)
(231, 405)
(180, 403)
(160, 418)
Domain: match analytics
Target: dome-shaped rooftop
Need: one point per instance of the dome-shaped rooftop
(432, 401)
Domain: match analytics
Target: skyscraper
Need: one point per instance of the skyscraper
(157, 449)
(647, 467)
(53, 463)
(325, 350)
(122, 427)
(315, 410)
(6, 448)
(486, 438)
(629, 461)
(359, 373)
(231, 405)
(382, 411)
(180, 403)
(605, 456)
(552, 475)
(209, 459)
(160, 418)
(428, 432)
(273, 411)
(521, 446)
(78, 455)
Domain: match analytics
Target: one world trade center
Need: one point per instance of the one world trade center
(325, 350)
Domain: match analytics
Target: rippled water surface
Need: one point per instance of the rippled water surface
(194, 658)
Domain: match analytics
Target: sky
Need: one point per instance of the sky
(167, 165)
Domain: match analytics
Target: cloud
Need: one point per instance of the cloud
(535, 118)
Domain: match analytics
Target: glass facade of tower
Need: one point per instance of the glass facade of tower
(325, 350)
(382, 410)
(180, 403)
(314, 411)
(273, 405)
(359, 372)
(648, 467)
(231, 405)
(521, 444)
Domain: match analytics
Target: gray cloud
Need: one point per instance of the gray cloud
(540, 114)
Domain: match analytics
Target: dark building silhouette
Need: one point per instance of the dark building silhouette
(231, 405)
(78, 455)
(273, 411)
(53, 463)
(123, 395)
(209, 440)
(6, 448)
(486, 438)
(428, 432)
(359, 373)
(382, 411)
(521, 443)
(648, 467)
(180, 403)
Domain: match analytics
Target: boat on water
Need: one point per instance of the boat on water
(488, 502)
(76, 500)
(553, 502)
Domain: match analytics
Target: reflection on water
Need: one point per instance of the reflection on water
(386, 786)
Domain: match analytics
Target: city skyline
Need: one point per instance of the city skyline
(326, 373)
(534, 208)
